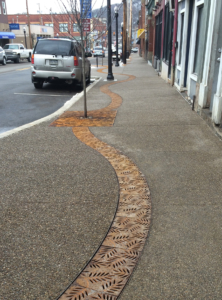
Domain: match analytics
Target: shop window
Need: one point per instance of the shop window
(158, 36)
(181, 38)
(167, 45)
(75, 27)
(198, 39)
(49, 24)
(63, 27)
(3, 8)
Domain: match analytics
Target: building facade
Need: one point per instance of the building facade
(185, 46)
(3, 16)
(63, 25)
(5, 35)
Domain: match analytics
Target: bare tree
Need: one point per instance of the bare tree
(76, 12)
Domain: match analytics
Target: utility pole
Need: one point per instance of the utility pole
(130, 26)
(124, 30)
(40, 16)
(30, 37)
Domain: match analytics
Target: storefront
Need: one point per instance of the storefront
(6, 37)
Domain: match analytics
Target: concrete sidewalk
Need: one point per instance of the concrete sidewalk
(58, 197)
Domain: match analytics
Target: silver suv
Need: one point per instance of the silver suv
(3, 57)
(56, 60)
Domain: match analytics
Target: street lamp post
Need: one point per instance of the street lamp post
(24, 30)
(126, 51)
(110, 73)
(122, 40)
(116, 15)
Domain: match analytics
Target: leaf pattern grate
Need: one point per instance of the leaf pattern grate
(109, 270)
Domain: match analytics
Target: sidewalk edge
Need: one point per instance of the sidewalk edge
(65, 107)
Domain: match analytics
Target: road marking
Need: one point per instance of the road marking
(40, 95)
(24, 69)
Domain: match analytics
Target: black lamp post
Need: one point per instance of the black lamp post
(24, 30)
(126, 51)
(116, 15)
(110, 73)
(122, 41)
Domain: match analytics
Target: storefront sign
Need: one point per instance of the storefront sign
(14, 26)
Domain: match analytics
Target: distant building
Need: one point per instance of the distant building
(5, 34)
(63, 25)
(37, 32)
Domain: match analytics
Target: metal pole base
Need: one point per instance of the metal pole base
(110, 77)
(117, 64)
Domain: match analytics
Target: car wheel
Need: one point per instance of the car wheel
(17, 60)
(38, 85)
(29, 59)
(88, 79)
(4, 61)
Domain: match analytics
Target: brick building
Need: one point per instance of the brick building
(64, 25)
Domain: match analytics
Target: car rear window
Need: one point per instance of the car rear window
(55, 47)
(11, 47)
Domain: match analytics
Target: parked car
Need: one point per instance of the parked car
(16, 51)
(119, 54)
(58, 60)
(98, 51)
(134, 50)
(88, 52)
(3, 57)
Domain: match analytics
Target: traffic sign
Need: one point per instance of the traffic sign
(86, 9)
(86, 25)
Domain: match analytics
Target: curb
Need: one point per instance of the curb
(65, 107)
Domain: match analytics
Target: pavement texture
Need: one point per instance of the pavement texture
(58, 196)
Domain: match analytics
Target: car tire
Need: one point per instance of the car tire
(4, 61)
(38, 85)
(29, 58)
(88, 79)
(17, 60)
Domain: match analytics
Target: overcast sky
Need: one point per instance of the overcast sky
(14, 7)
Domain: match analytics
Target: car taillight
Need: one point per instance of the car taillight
(76, 63)
(102, 51)
(32, 59)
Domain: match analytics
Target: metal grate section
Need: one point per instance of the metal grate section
(96, 118)
(108, 272)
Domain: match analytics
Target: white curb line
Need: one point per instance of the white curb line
(66, 106)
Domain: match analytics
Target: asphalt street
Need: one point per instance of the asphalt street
(21, 103)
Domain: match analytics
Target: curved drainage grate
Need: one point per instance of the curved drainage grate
(107, 273)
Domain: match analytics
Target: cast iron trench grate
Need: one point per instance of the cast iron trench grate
(109, 270)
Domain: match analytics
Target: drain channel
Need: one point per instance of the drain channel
(109, 270)
(107, 273)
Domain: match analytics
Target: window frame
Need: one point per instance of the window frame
(194, 25)
(75, 25)
(49, 24)
(4, 8)
(63, 25)
(197, 39)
